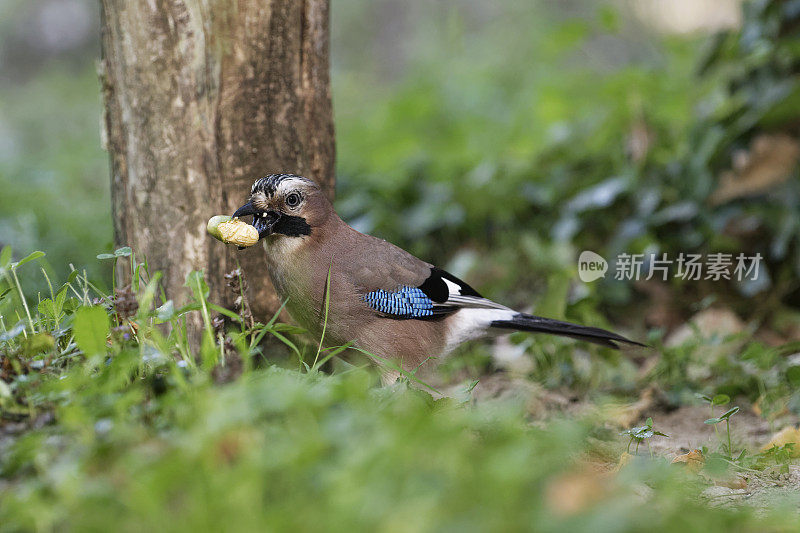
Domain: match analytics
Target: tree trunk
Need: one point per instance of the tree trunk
(201, 98)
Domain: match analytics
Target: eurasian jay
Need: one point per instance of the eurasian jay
(382, 299)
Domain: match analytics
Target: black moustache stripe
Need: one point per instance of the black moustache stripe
(291, 226)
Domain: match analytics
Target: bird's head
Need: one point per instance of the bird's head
(285, 205)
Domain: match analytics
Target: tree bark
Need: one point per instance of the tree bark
(201, 98)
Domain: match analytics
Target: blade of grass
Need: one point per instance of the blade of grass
(288, 343)
(22, 298)
(392, 366)
(227, 312)
(332, 352)
(278, 312)
(327, 305)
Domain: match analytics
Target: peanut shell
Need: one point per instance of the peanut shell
(232, 231)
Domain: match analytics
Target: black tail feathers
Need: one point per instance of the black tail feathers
(536, 324)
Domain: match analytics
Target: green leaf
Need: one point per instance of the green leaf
(30, 257)
(38, 343)
(729, 413)
(147, 296)
(5, 256)
(188, 308)
(47, 308)
(4, 293)
(289, 328)
(135, 278)
(793, 376)
(703, 397)
(713, 421)
(91, 329)
(609, 19)
(197, 283)
(327, 306)
(227, 312)
(720, 399)
(278, 312)
(125, 251)
(72, 276)
(287, 342)
(332, 352)
(106, 256)
(166, 311)
(61, 297)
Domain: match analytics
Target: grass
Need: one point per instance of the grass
(111, 413)
(111, 416)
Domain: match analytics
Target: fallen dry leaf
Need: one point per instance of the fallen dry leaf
(787, 435)
(715, 321)
(576, 491)
(626, 415)
(694, 460)
(769, 162)
(640, 140)
(624, 459)
(774, 413)
(662, 310)
(732, 482)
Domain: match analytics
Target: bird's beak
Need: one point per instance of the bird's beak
(263, 221)
(246, 210)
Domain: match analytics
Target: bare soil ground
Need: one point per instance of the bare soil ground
(685, 427)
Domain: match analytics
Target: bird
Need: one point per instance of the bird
(349, 288)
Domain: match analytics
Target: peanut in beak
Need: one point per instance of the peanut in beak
(232, 231)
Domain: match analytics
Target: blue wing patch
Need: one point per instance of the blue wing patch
(405, 302)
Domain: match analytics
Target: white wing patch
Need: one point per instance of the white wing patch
(472, 323)
(457, 299)
(454, 288)
(473, 302)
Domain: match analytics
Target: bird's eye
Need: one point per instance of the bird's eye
(293, 199)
